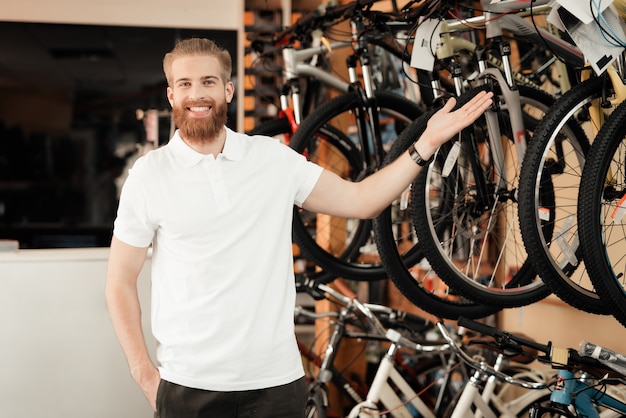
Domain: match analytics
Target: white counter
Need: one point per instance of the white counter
(58, 354)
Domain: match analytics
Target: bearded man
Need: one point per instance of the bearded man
(216, 207)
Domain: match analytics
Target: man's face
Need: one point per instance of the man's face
(199, 97)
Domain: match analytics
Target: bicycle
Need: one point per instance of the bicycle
(550, 181)
(348, 260)
(581, 381)
(600, 212)
(497, 290)
(431, 370)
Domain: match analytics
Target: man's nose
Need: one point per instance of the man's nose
(196, 92)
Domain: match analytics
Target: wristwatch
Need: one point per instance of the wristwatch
(417, 157)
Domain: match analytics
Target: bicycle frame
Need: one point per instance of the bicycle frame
(580, 393)
(473, 396)
(495, 26)
(497, 188)
(382, 392)
(450, 45)
(295, 66)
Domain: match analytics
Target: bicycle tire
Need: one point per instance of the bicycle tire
(553, 167)
(600, 199)
(277, 128)
(421, 290)
(471, 236)
(347, 261)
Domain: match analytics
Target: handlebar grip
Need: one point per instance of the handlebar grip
(496, 333)
(477, 326)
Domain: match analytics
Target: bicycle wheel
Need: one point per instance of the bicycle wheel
(548, 193)
(601, 203)
(317, 402)
(395, 236)
(345, 247)
(465, 211)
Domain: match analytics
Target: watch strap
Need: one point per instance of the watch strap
(415, 156)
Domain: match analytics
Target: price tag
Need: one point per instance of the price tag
(425, 44)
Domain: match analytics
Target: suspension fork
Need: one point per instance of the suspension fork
(511, 102)
(367, 114)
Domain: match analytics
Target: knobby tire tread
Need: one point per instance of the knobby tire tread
(592, 216)
(538, 236)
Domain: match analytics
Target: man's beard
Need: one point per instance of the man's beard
(200, 130)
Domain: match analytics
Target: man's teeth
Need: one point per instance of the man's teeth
(199, 109)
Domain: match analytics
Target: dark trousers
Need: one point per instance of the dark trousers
(286, 401)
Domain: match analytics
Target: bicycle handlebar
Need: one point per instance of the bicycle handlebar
(502, 337)
(321, 18)
(394, 336)
(559, 358)
(482, 366)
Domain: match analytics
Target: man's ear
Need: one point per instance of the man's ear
(230, 91)
(170, 96)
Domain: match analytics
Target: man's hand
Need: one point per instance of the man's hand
(148, 379)
(444, 124)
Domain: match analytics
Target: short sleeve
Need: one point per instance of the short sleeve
(306, 177)
(133, 224)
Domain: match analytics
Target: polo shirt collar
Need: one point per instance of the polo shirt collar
(233, 149)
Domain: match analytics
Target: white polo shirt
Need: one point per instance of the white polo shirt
(222, 269)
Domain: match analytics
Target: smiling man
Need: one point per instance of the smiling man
(216, 207)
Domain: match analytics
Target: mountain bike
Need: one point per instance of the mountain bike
(347, 135)
(471, 235)
(550, 180)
